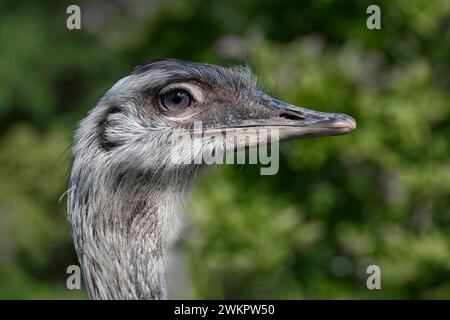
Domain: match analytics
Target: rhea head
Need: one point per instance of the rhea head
(134, 120)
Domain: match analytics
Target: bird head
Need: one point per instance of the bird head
(134, 121)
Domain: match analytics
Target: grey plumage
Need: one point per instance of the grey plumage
(124, 193)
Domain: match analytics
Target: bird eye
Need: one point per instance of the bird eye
(176, 99)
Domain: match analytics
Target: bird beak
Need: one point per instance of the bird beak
(294, 122)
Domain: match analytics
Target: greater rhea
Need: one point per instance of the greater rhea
(125, 192)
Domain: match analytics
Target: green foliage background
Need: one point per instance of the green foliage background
(378, 196)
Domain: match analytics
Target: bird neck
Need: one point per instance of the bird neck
(121, 232)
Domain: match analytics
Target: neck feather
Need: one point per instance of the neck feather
(122, 228)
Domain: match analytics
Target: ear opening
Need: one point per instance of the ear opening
(107, 138)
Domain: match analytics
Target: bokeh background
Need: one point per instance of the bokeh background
(378, 196)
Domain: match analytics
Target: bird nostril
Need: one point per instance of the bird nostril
(290, 116)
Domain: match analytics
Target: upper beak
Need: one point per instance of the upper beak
(296, 122)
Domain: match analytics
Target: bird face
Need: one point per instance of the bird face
(154, 99)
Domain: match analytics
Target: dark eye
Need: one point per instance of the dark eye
(176, 99)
